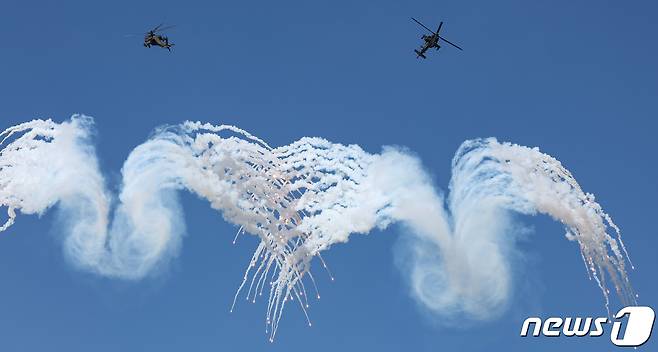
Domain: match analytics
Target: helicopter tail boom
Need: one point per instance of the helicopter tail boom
(419, 54)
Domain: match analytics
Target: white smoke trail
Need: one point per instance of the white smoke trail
(527, 181)
(301, 199)
(490, 179)
(49, 163)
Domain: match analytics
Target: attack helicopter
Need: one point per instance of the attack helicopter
(431, 41)
(154, 38)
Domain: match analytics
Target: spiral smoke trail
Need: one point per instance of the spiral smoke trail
(300, 199)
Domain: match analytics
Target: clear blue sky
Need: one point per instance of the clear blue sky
(577, 78)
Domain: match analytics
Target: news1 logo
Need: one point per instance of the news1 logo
(637, 326)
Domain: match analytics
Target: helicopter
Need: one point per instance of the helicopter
(153, 37)
(431, 41)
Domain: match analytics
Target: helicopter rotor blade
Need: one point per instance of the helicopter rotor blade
(157, 28)
(453, 44)
(422, 25)
(165, 28)
(440, 25)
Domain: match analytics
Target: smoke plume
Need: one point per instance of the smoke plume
(301, 199)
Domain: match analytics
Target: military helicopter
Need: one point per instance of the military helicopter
(153, 37)
(431, 41)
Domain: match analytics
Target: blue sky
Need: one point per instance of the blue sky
(578, 79)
